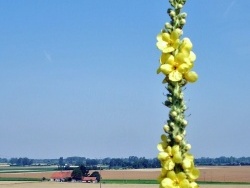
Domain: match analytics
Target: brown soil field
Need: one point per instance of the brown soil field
(218, 174)
(92, 185)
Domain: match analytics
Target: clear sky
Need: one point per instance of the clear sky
(78, 78)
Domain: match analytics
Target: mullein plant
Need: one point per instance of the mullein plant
(176, 64)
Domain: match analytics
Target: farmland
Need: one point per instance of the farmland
(237, 174)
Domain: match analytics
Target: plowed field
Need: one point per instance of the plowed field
(218, 174)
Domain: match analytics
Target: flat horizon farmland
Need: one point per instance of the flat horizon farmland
(96, 185)
(207, 174)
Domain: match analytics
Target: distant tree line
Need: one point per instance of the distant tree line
(226, 161)
(116, 163)
(21, 161)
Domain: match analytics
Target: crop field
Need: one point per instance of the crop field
(229, 177)
(97, 185)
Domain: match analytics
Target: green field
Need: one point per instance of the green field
(17, 169)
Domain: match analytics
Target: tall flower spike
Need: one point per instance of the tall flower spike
(176, 64)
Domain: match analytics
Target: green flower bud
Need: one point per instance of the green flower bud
(184, 122)
(168, 104)
(172, 124)
(168, 26)
(188, 146)
(183, 15)
(173, 113)
(178, 138)
(179, 6)
(172, 13)
(184, 133)
(170, 99)
(164, 137)
(182, 21)
(166, 128)
(181, 96)
(171, 2)
(179, 119)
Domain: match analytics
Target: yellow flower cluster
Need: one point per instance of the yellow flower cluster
(177, 57)
(172, 159)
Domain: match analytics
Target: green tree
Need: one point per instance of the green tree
(60, 162)
(97, 175)
(84, 170)
(76, 174)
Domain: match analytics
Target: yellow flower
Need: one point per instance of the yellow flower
(168, 42)
(169, 156)
(188, 165)
(175, 66)
(175, 180)
(188, 161)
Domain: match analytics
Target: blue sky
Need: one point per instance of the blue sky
(78, 78)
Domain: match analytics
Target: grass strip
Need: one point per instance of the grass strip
(140, 181)
(128, 181)
(223, 183)
(25, 169)
(19, 179)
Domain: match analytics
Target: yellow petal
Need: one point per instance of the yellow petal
(177, 158)
(175, 76)
(181, 176)
(176, 43)
(163, 172)
(167, 183)
(175, 149)
(166, 58)
(169, 164)
(186, 45)
(171, 60)
(187, 164)
(192, 56)
(183, 68)
(184, 184)
(162, 156)
(161, 146)
(180, 58)
(168, 49)
(161, 45)
(191, 76)
(169, 150)
(166, 37)
(166, 69)
(194, 173)
(187, 61)
(193, 185)
(159, 37)
(172, 175)
(189, 156)
(176, 34)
